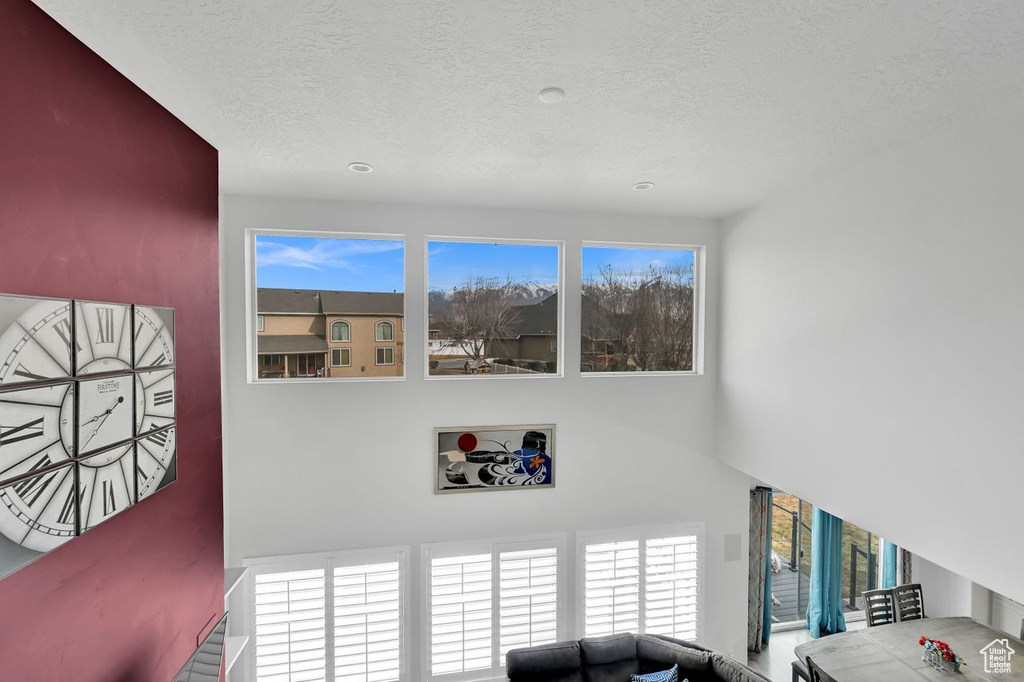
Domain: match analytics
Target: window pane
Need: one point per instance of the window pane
(637, 309)
(671, 587)
(860, 565)
(493, 308)
(611, 588)
(460, 614)
(528, 596)
(290, 620)
(305, 283)
(385, 331)
(367, 623)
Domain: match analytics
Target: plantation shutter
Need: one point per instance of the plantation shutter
(460, 613)
(528, 598)
(671, 587)
(611, 588)
(290, 626)
(367, 622)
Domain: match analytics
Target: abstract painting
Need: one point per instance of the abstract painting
(495, 458)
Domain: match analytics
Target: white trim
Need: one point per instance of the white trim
(641, 534)
(251, 233)
(699, 304)
(384, 348)
(260, 323)
(344, 364)
(331, 331)
(560, 244)
(377, 327)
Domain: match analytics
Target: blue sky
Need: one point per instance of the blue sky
(330, 263)
(631, 260)
(451, 263)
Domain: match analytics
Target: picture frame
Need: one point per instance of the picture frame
(484, 458)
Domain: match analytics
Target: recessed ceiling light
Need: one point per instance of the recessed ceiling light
(551, 95)
(641, 186)
(360, 167)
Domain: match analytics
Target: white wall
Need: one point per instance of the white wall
(316, 467)
(873, 347)
(945, 592)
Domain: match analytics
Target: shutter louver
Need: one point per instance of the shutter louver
(528, 598)
(612, 588)
(367, 622)
(290, 626)
(460, 614)
(670, 587)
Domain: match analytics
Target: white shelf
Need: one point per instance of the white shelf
(233, 648)
(232, 579)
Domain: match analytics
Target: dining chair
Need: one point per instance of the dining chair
(800, 671)
(909, 601)
(817, 674)
(879, 607)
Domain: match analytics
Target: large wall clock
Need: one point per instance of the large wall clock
(87, 417)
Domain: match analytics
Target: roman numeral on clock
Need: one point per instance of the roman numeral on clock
(104, 325)
(159, 361)
(22, 372)
(15, 434)
(160, 438)
(163, 397)
(109, 503)
(31, 488)
(67, 510)
(63, 329)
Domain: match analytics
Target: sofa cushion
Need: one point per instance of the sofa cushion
(730, 670)
(608, 659)
(559, 662)
(670, 675)
(656, 654)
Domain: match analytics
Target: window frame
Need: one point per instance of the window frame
(385, 349)
(328, 561)
(699, 304)
(341, 351)
(642, 534)
(260, 323)
(251, 235)
(495, 547)
(560, 353)
(348, 328)
(380, 324)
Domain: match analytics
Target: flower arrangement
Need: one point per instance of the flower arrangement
(939, 654)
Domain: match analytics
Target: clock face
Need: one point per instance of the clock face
(154, 337)
(103, 334)
(35, 339)
(105, 412)
(107, 484)
(38, 512)
(36, 428)
(155, 464)
(87, 417)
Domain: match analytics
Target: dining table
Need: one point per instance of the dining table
(892, 652)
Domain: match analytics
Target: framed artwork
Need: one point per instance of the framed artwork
(470, 459)
(87, 417)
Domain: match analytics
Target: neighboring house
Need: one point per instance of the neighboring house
(532, 336)
(997, 655)
(310, 333)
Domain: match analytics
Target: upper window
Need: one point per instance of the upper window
(493, 308)
(303, 282)
(348, 604)
(639, 309)
(645, 582)
(385, 331)
(485, 599)
(341, 331)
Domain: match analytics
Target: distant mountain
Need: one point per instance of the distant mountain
(525, 294)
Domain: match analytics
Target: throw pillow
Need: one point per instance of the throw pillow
(670, 675)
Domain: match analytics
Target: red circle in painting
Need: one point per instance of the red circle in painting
(467, 442)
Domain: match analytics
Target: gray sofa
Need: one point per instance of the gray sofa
(616, 657)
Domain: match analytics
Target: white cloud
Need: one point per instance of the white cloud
(321, 253)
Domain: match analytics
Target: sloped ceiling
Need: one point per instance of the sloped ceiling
(719, 103)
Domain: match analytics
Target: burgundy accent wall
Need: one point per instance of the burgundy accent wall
(105, 195)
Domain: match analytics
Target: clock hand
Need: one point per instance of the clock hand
(103, 418)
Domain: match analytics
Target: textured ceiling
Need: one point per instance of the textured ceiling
(721, 103)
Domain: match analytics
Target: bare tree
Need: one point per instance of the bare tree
(481, 308)
(643, 320)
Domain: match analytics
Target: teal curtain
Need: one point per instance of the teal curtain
(825, 595)
(889, 554)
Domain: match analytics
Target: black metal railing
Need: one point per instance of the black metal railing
(872, 559)
(795, 551)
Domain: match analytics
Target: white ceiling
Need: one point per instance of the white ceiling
(721, 103)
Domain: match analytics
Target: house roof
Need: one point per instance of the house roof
(291, 343)
(320, 302)
(541, 318)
